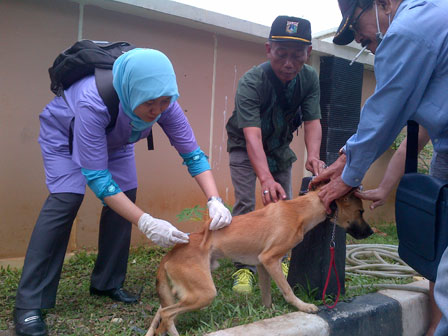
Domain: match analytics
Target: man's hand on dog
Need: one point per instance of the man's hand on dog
(315, 166)
(220, 215)
(272, 191)
(378, 196)
(336, 187)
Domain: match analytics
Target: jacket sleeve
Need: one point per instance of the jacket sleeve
(403, 68)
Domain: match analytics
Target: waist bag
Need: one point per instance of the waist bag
(421, 213)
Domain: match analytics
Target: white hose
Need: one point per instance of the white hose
(381, 261)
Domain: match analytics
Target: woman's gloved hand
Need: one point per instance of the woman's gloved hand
(220, 215)
(160, 231)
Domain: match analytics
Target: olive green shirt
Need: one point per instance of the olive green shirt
(256, 105)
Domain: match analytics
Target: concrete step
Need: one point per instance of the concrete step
(386, 313)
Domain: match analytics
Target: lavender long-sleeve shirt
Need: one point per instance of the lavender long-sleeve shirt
(92, 147)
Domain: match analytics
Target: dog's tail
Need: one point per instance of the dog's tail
(206, 232)
(154, 324)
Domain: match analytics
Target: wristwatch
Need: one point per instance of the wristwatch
(213, 198)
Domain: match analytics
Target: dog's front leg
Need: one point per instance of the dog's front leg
(264, 280)
(273, 266)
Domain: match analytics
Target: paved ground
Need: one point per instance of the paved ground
(386, 313)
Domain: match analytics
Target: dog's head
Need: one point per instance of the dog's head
(349, 216)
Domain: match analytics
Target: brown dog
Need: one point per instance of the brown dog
(260, 238)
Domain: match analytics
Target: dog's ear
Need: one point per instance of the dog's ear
(316, 186)
(347, 196)
(351, 192)
(333, 207)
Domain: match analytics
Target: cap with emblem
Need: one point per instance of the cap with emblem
(289, 28)
(344, 35)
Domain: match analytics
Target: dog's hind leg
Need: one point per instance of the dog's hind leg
(154, 323)
(264, 280)
(274, 268)
(192, 281)
(192, 301)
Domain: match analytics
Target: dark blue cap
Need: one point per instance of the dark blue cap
(290, 28)
(344, 35)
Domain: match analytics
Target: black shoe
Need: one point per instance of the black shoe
(117, 294)
(29, 322)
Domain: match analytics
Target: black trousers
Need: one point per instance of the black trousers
(48, 245)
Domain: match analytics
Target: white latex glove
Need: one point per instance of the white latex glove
(160, 231)
(220, 215)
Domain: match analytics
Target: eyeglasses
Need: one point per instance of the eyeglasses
(354, 25)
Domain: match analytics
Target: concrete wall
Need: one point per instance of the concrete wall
(208, 62)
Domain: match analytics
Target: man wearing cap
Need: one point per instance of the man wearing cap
(271, 102)
(410, 41)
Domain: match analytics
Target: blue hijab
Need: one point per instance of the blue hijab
(141, 75)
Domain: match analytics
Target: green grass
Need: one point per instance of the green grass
(77, 313)
(386, 234)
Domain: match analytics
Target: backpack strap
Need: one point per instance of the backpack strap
(150, 140)
(103, 80)
(104, 83)
(411, 147)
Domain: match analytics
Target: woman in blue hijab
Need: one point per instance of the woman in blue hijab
(145, 82)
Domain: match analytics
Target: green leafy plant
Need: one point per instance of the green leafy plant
(397, 142)
(424, 157)
(195, 213)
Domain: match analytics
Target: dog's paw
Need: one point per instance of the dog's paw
(309, 308)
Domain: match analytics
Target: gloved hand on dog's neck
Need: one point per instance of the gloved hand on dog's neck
(220, 215)
(160, 231)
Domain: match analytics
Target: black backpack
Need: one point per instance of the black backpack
(86, 58)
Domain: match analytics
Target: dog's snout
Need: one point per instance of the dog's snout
(360, 230)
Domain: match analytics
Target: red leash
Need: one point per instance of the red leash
(332, 265)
